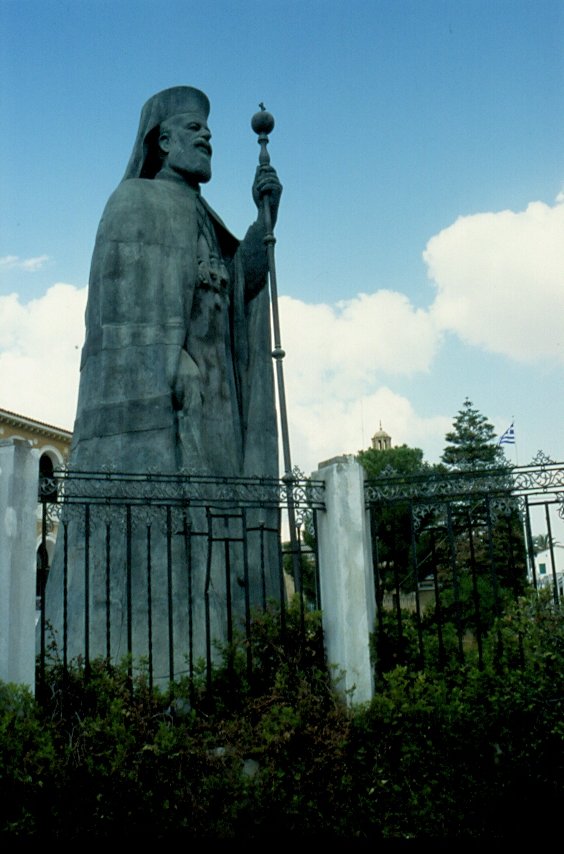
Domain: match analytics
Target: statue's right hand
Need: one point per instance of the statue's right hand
(267, 182)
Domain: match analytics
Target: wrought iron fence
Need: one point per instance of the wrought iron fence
(450, 550)
(166, 571)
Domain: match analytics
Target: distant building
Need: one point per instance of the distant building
(381, 440)
(545, 574)
(52, 445)
(53, 442)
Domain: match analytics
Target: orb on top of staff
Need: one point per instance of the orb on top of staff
(263, 121)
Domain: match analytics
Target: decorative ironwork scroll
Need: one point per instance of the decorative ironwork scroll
(543, 478)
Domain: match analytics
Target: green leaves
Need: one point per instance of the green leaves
(471, 443)
(461, 753)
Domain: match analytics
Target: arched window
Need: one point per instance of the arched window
(47, 482)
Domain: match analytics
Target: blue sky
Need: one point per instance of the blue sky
(420, 243)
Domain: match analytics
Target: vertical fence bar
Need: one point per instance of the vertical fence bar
(87, 588)
(438, 606)
(415, 568)
(262, 535)
(108, 593)
(551, 549)
(316, 560)
(247, 593)
(475, 591)
(530, 544)
(397, 587)
(128, 532)
(187, 534)
(378, 588)
(65, 595)
(493, 570)
(207, 602)
(42, 588)
(455, 581)
(169, 592)
(228, 591)
(149, 605)
(513, 566)
(281, 582)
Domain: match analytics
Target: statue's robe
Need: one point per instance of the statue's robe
(176, 376)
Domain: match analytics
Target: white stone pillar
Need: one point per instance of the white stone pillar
(19, 481)
(346, 577)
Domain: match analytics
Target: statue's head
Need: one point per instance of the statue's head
(173, 133)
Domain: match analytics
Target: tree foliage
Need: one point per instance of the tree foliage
(543, 542)
(393, 521)
(400, 459)
(467, 547)
(471, 443)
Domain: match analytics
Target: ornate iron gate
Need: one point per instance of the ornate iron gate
(450, 550)
(164, 570)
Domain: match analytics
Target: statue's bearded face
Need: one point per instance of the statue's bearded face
(185, 143)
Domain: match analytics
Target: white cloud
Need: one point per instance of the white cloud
(337, 358)
(340, 351)
(30, 265)
(499, 286)
(338, 361)
(500, 281)
(40, 345)
(333, 427)
(8, 261)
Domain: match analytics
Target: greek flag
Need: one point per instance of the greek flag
(508, 438)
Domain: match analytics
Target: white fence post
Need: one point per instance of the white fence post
(19, 481)
(346, 577)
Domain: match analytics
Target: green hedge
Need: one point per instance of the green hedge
(467, 753)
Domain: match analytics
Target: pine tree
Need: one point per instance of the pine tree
(471, 443)
(491, 512)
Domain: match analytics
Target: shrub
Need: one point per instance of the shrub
(455, 753)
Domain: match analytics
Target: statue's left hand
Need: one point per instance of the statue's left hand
(267, 182)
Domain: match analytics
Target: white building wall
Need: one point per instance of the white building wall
(546, 570)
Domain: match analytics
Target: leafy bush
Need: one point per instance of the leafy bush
(456, 753)
(28, 760)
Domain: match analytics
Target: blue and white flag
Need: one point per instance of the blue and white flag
(508, 438)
